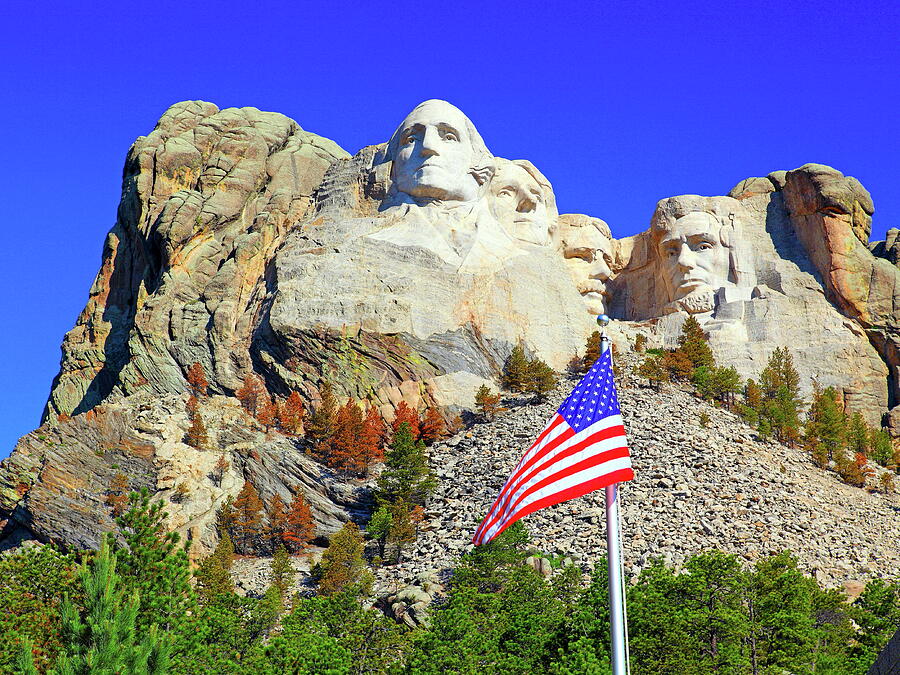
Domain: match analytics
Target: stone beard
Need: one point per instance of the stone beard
(694, 262)
(588, 250)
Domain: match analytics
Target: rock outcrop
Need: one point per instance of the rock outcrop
(406, 272)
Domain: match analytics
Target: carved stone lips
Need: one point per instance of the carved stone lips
(592, 286)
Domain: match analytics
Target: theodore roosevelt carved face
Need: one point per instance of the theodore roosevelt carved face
(438, 155)
(588, 250)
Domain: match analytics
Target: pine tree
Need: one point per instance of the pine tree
(290, 414)
(858, 434)
(679, 365)
(277, 522)
(488, 403)
(404, 414)
(282, 572)
(406, 473)
(882, 447)
(222, 465)
(780, 385)
(825, 429)
(251, 393)
(591, 351)
(248, 509)
(153, 563)
(515, 370)
(402, 532)
(266, 411)
(117, 496)
(196, 379)
(640, 343)
(373, 436)
(379, 527)
(433, 427)
(346, 451)
(300, 526)
(653, 370)
(213, 575)
(197, 436)
(321, 421)
(108, 638)
(693, 344)
(343, 566)
(541, 379)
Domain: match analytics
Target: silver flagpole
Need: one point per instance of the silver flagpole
(614, 555)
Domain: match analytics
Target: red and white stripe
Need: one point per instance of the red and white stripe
(561, 464)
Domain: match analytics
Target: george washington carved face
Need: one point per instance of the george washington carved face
(438, 155)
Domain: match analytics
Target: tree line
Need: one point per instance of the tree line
(131, 608)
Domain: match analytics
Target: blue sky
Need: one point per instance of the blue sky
(619, 104)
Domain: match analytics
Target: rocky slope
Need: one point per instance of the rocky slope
(251, 246)
(695, 488)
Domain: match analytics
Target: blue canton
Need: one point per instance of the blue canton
(594, 398)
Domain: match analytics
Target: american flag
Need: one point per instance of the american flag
(583, 448)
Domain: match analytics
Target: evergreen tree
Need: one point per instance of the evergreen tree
(403, 530)
(301, 528)
(321, 421)
(406, 474)
(379, 528)
(342, 565)
(679, 365)
(780, 385)
(247, 526)
(278, 524)
(282, 572)
(196, 379)
(108, 638)
(290, 414)
(487, 402)
(591, 351)
(881, 447)
(693, 344)
(267, 411)
(825, 429)
(222, 465)
(858, 434)
(541, 379)
(653, 370)
(213, 574)
(197, 436)
(373, 436)
(33, 581)
(346, 450)
(515, 370)
(433, 427)
(117, 496)
(152, 563)
(404, 414)
(251, 393)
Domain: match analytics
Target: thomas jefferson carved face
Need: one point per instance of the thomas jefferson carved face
(588, 250)
(694, 261)
(519, 203)
(435, 154)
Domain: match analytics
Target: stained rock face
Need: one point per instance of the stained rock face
(206, 198)
(406, 272)
(779, 262)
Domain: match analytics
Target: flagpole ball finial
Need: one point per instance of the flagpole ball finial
(603, 321)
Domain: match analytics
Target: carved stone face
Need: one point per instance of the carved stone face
(692, 258)
(435, 154)
(589, 257)
(519, 204)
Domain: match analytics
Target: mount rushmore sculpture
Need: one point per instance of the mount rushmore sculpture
(408, 272)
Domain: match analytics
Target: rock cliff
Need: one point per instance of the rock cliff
(405, 272)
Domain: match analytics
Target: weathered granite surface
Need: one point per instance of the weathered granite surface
(407, 272)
